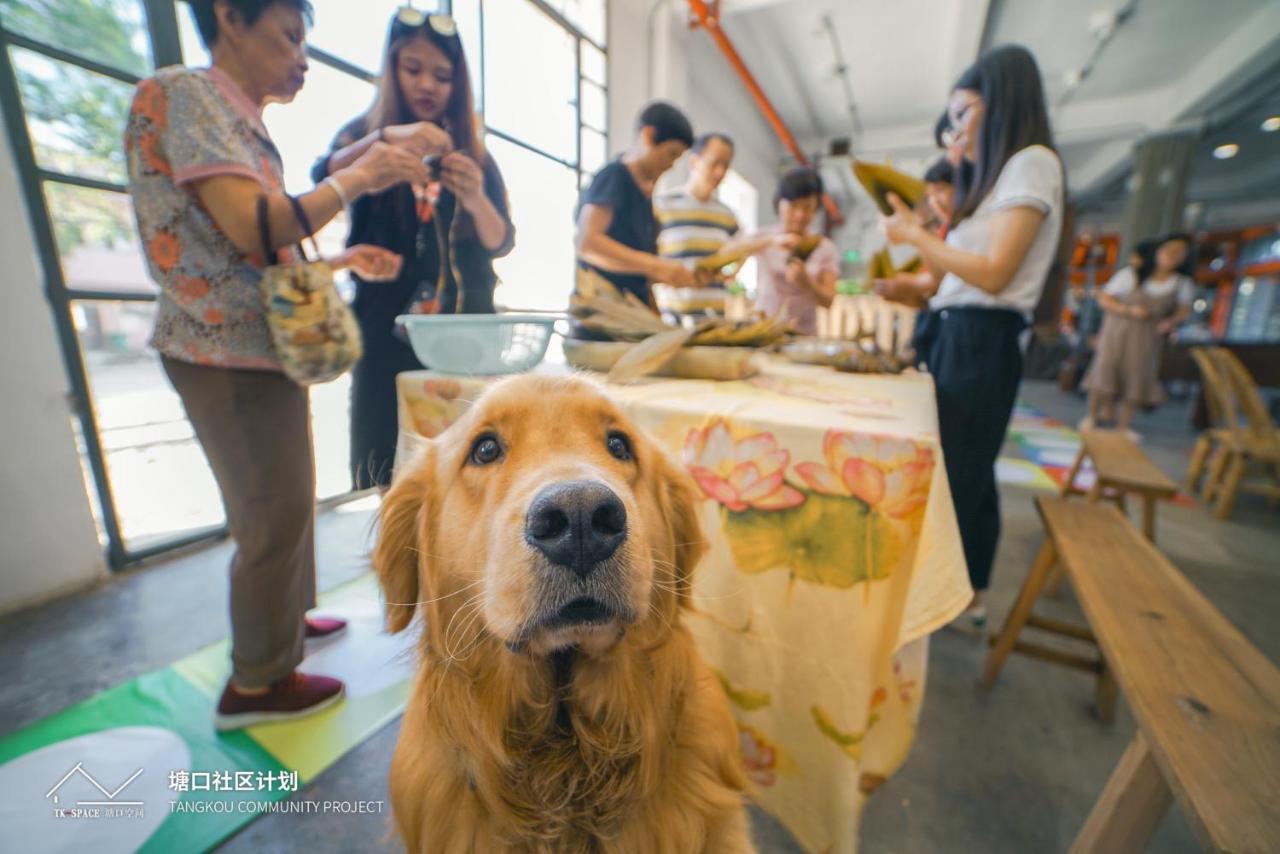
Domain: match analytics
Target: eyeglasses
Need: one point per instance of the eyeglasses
(408, 18)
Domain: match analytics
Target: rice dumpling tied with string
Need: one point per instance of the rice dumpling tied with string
(881, 179)
(805, 247)
(881, 265)
(601, 311)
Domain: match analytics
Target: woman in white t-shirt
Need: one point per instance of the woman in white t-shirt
(1142, 307)
(991, 269)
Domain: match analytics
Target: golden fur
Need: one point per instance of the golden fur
(623, 744)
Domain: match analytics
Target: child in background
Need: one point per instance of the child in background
(800, 279)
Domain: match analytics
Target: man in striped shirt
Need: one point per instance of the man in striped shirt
(693, 223)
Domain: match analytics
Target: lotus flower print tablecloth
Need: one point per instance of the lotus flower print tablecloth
(834, 552)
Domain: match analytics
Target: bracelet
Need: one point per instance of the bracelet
(337, 188)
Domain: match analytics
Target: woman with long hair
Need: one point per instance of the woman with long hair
(991, 268)
(448, 236)
(1142, 305)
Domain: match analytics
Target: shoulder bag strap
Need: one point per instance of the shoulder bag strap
(264, 232)
(307, 230)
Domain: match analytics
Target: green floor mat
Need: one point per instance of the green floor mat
(140, 766)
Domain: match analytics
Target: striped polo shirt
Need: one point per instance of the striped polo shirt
(690, 228)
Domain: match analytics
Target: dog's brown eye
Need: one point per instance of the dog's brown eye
(619, 446)
(485, 450)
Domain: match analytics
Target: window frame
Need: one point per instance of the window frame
(161, 19)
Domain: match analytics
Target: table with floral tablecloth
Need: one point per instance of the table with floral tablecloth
(834, 552)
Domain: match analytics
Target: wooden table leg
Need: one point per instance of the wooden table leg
(1069, 485)
(1213, 480)
(1230, 486)
(1130, 807)
(1199, 456)
(1149, 517)
(1021, 610)
(1104, 694)
(1057, 577)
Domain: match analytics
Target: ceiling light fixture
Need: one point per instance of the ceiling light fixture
(1271, 124)
(1226, 151)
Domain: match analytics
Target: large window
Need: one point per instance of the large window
(67, 70)
(544, 98)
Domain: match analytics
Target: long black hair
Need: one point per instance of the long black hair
(391, 107)
(1008, 80)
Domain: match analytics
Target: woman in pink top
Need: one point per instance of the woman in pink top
(792, 279)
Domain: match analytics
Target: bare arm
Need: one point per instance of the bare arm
(758, 243)
(825, 288)
(910, 289)
(420, 139)
(822, 287)
(465, 179)
(1111, 304)
(1173, 321)
(598, 249)
(491, 228)
(232, 200)
(344, 157)
(1012, 232)
(1115, 306)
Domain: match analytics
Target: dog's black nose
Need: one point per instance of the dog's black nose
(576, 524)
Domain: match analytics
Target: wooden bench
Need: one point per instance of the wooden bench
(1122, 469)
(1206, 702)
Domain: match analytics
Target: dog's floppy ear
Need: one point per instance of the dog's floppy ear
(397, 556)
(680, 503)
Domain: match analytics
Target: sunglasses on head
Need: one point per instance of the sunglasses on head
(408, 18)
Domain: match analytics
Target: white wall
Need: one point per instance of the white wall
(653, 54)
(48, 542)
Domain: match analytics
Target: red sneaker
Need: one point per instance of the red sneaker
(324, 627)
(295, 696)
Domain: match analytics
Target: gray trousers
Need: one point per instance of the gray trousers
(255, 428)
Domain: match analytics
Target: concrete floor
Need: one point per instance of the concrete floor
(1014, 770)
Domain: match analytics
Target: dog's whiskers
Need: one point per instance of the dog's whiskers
(477, 614)
(439, 598)
(475, 608)
(684, 590)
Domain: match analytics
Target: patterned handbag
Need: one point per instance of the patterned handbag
(315, 333)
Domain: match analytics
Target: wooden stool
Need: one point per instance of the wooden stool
(1122, 469)
(1206, 702)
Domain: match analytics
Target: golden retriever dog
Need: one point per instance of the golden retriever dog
(560, 704)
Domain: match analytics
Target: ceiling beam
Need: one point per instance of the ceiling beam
(1219, 75)
(702, 17)
(1233, 63)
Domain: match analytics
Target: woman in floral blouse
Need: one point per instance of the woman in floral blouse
(199, 159)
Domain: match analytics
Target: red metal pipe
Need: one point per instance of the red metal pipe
(703, 16)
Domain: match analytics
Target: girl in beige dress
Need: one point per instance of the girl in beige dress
(1142, 307)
